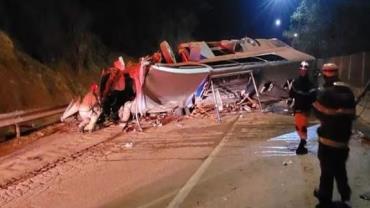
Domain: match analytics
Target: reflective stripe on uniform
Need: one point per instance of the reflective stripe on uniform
(331, 143)
(300, 91)
(342, 84)
(332, 111)
(309, 92)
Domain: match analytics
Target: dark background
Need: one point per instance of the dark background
(135, 27)
(49, 30)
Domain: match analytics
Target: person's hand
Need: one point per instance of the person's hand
(290, 102)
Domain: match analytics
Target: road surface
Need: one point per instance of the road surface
(247, 161)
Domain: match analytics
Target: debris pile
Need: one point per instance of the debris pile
(203, 111)
(222, 76)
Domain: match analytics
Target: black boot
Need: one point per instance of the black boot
(341, 204)
(301, 150)
(323, 203)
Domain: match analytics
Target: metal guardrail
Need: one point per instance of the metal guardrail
(17, 117)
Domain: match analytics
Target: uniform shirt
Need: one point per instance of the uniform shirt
(335, 108)
(303, 93)
(118, 81)
(115, 81)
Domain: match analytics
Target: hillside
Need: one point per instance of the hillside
(26, 83)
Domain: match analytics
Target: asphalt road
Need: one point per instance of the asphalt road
(247, 161)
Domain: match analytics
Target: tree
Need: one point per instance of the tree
(330, 27)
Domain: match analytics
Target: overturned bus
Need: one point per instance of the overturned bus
(212, 71)
(259, 64)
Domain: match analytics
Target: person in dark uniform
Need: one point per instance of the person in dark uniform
(303, 94)
(335, 108)
(113, 90)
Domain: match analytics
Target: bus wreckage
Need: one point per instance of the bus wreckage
(219, 72)
(262, 69)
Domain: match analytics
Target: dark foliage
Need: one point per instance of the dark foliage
(331, 27)
(51, 30)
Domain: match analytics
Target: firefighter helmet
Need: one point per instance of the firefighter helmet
(304, 65)
(330, 69)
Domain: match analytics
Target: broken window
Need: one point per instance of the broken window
(241, 61)
(272, 57)
(220, 51)
(249, 60)
(217, 64)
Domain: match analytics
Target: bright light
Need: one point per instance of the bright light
(295, 35)
(276, 5)
(277, 22)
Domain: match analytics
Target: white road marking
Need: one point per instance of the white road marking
(293, 136)
(194, 179)
(158, 200)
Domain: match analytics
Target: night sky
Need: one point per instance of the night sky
(254, 18)
(137, 27)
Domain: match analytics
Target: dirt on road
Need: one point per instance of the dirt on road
(254, 167)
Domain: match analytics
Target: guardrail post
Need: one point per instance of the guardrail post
(17, 130)
(16, 118)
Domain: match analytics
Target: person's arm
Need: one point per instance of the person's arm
(292, 92)
(334, 104)
(109, 83)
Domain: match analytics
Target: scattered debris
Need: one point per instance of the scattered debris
(179, 125)
(365, 196)
(360, 136)
(123, 125)
(287, 162)
(131, 126)
(129, 145)
(40, 134)
(203, 110)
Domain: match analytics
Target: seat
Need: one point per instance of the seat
(167, 52)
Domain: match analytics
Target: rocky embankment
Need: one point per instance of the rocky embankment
(26, 83)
